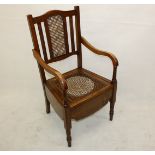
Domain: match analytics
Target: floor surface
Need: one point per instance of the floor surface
(24, 125)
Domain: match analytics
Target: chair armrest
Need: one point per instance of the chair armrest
(50, 70)
(99, 52)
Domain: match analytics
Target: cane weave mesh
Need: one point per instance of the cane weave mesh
(56, 32)
(79, 85)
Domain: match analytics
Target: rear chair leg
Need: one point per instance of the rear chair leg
(112, 101)
(47, 103)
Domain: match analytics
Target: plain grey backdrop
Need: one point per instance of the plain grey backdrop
(126, 30)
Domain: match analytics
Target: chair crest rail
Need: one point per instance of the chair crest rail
(52, 13)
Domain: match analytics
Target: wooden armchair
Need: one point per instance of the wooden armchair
(79, 92)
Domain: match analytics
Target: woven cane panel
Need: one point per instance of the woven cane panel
(56, 32)
(79, 85)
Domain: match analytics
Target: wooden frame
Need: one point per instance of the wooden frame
(56, 94)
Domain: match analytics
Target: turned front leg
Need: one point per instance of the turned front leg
(67, 124)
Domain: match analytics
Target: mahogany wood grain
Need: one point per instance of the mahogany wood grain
(53, 13)
(48, 39)
(51, 70)
(99, 52)
(72, 33)
(55, 89)
(66, 35)
(78, 36)
(42, 41)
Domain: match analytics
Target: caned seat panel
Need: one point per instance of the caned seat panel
(79, 85)
(93, 85)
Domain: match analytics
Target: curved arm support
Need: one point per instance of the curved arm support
(50, 70)
(104, 53)
(99, 52)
